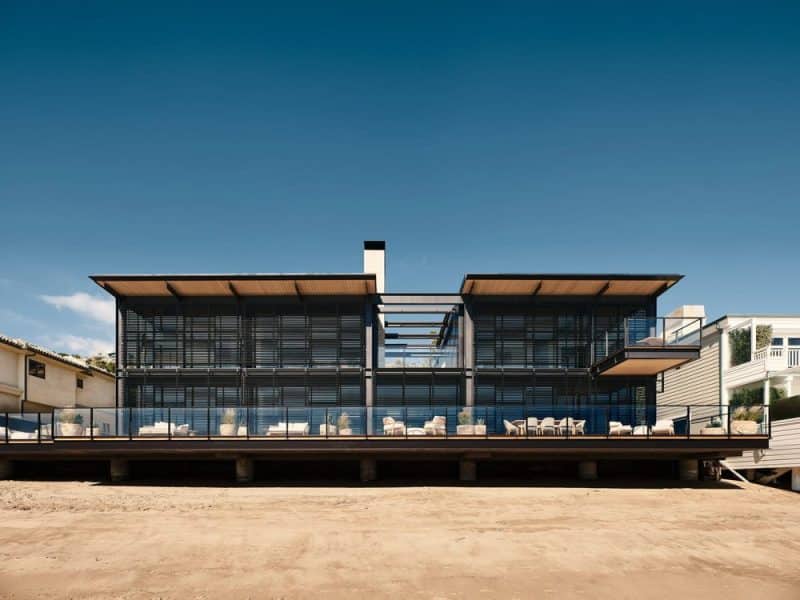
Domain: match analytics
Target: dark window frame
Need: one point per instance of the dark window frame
(37, 369)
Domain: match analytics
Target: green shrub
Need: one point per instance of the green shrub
(748, 413)
(739, 342)
(763, 336)
(784, 408)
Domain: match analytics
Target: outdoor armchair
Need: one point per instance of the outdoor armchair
(393, 427)
(547, 426)
(511, 429)
(436, 426)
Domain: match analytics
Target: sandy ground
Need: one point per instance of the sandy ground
(83, 540)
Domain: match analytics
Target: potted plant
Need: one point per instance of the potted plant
(746, 420)
(71, 423)
(465, 426)
(480, 427)
(343, 422)
(229, 422)
(328, 428)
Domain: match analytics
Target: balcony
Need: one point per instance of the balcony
(649, 346)
(766, 360)
(427, 424)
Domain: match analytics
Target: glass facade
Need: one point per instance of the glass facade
(226, 352)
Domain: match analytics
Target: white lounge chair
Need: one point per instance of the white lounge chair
(547, 426)
(291, 429)
(533, 426)
(436, 426)
(159, 428)
(580, 426)
(617, 428)
(393, 427)
(663, 427)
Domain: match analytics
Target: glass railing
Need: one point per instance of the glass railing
(652, 332)
(408, 422)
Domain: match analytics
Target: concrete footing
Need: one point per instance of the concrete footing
(369, 469)
(120, 469)
(467, 470)
(587, 470)
(688, 469)
(6, 468)
(245, 470)
(796, 479)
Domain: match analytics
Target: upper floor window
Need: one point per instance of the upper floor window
(794, 341)
(36, 368)
(777, 341)
(79, 383)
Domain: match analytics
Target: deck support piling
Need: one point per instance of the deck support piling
(796, 479)
(467, 470)
(6, 468)
(688, 469)
(369, 469)
(245, 469)
(120, 469)
(587, 470)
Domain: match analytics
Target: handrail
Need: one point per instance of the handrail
(453, 421)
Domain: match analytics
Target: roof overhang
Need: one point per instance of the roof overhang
(239, 285)
(598, 285)
(645, 362)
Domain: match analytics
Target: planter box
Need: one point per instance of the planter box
(465, 430)
(480, 429)
(346, 431)
(744, 427)
(227, 429)
(327, 429)
(71, 429)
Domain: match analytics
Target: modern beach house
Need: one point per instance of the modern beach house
(333, 367)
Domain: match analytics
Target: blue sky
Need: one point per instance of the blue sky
(473, 137)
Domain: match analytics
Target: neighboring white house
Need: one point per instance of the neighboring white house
(744, 359)
(34, 379)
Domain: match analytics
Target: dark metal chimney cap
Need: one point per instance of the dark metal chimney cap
(375, 245)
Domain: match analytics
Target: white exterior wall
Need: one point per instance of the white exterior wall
(59, 388)
(696, 382)
(99, 391)
(11, 385)
(783, 451)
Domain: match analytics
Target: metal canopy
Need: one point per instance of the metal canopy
(598, 285)
(239, 285)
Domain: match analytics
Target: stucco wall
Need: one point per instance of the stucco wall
(9, 366)
(98, 391)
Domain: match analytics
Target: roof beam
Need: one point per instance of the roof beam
(604, 289)
(172, 291)
(297, 289)
(536, 290)
(234, 291)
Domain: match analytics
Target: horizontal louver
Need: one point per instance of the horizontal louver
(226, 335)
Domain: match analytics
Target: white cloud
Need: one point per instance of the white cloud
(84, 346)
(97, 309)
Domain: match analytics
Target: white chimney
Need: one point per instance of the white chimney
(375, 262)
(684, 320)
